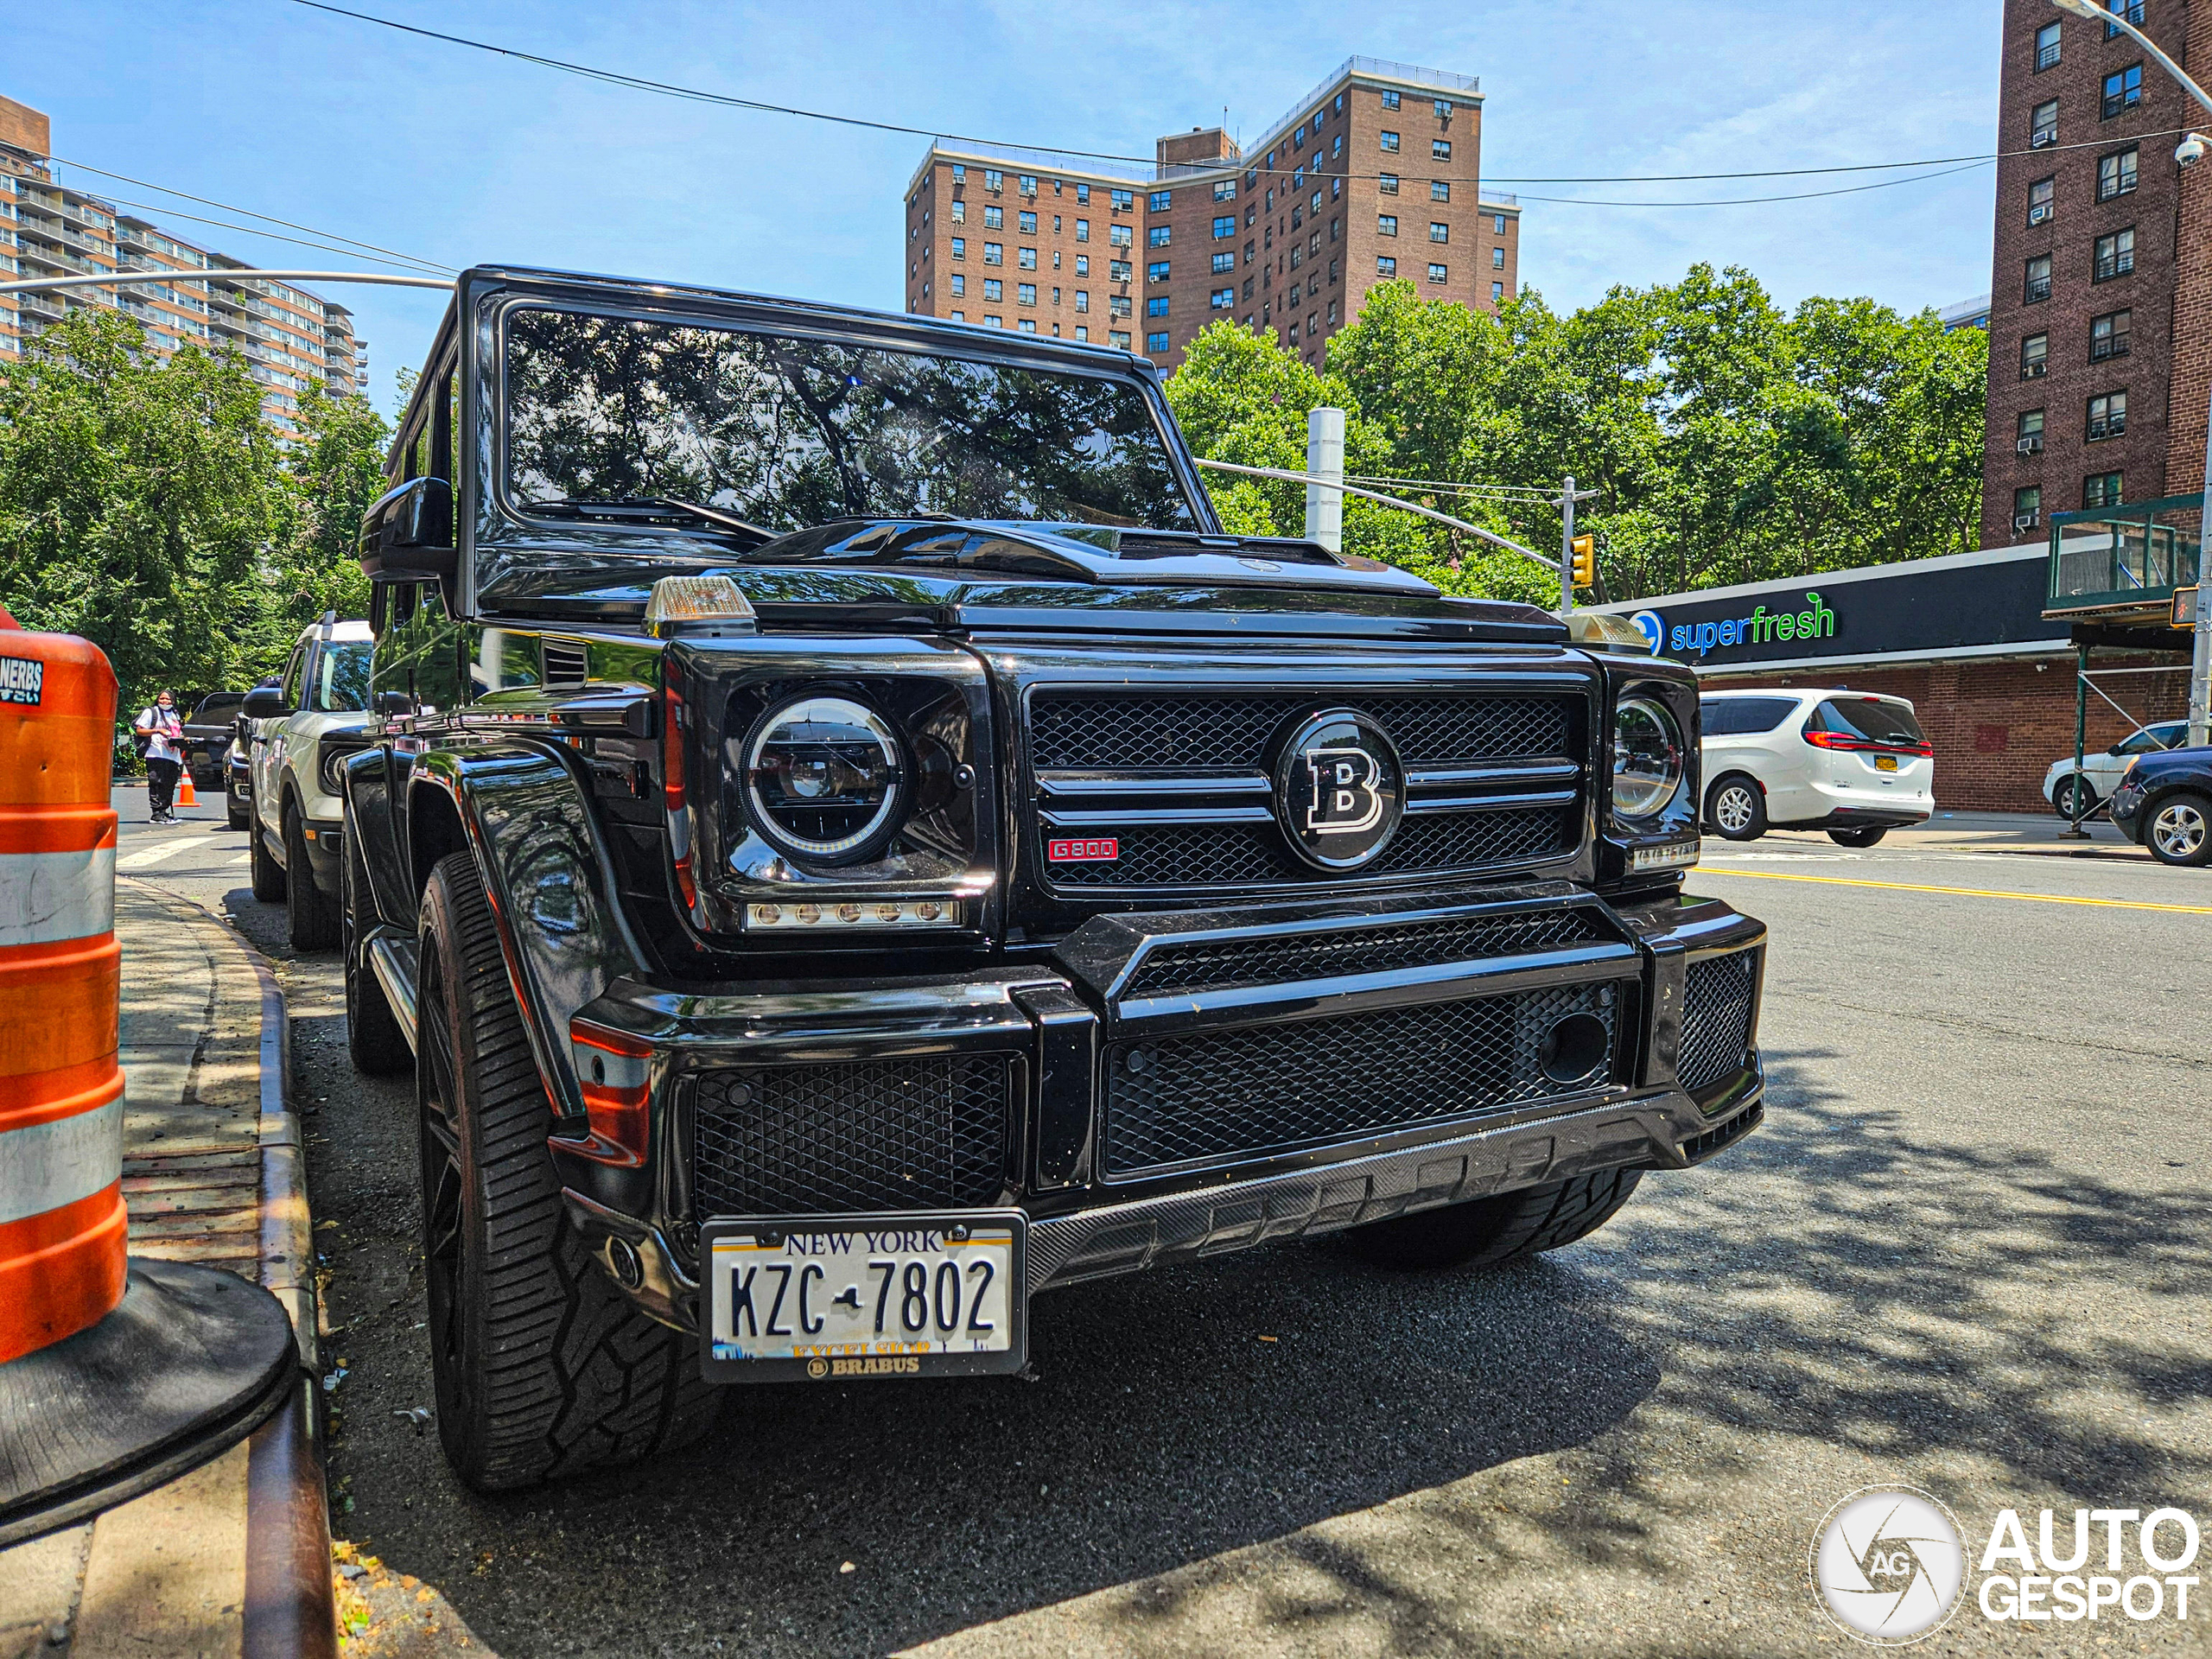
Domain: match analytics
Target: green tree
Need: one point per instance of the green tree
(1729, 441)
(149, 506)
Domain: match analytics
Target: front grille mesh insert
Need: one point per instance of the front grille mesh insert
(1216, 964)
(1241, 856)
(1151, 731)
(862, 1134)
(1265, 1089)
(1718, 994)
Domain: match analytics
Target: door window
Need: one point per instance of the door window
(1740, 716)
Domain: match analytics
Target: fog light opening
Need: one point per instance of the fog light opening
(623, 1261)
(1574, 1049)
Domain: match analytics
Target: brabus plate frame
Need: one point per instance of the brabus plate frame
(796, 1299)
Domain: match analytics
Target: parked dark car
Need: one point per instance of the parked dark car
(2164, 804)
(207, 732)
(851, 843)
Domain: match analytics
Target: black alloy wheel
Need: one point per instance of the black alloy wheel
(1488, 1232)
(311, 915)
(2180, 830)
(1736, 808)
(543, 1368)
(1866, 835)
(373, 1037)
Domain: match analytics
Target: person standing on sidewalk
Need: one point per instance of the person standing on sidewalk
(162, 729)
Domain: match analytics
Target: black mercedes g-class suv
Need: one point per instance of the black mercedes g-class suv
(851, 844)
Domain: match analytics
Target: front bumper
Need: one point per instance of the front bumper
(2127, 810)
(1166, 1097)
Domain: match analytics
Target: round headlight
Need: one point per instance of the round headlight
(1647, 760)
(825, 778)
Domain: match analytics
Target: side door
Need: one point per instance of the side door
(1786, 763)
(269, 743)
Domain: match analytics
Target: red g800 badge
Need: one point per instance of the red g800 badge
(1097, 849)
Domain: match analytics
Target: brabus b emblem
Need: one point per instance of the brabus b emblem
(1339, 790)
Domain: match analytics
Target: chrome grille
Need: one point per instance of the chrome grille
(1097, 754)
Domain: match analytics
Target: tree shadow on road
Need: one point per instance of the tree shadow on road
(1832, 1282)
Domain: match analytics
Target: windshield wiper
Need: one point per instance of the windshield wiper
(637, 509)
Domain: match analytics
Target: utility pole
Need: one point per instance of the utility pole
(1568, 495)
(1325, 465)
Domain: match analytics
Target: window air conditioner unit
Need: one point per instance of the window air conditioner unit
(2027, 521)
(2042, 137)
(2038, 214)
(2029, 446)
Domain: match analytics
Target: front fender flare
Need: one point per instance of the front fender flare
(545, 867)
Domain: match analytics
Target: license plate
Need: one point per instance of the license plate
(1886, 762)
(835, 1298)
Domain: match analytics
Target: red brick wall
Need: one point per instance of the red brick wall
(2192, 351)
(1996, 727)
(2068, 237)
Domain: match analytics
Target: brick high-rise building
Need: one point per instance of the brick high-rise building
(1373, 175)
(2100, 313)
(290, 336)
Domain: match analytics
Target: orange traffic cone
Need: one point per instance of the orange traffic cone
(184, 795)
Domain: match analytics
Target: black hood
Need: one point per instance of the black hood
(962, 576)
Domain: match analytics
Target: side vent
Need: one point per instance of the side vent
(565, 664)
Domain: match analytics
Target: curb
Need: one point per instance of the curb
(289, 1607)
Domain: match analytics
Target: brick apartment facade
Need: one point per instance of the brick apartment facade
(289, 337)
(1374, 175)
(2099, 269)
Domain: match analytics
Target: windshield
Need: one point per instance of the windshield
(342, 678)
(786, 432)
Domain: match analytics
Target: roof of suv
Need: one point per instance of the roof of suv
(1801, 691)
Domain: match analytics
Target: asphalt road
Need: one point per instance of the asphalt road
(1969, 1251)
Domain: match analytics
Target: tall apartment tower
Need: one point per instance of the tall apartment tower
(1372, 176)
(2101, 308)
(289, 336)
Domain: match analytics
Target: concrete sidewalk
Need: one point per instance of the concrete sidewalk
(2029, 834)
(234, 1558)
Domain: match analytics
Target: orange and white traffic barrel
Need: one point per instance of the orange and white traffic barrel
(62, 1224)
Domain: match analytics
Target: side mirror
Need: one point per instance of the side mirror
(265, 703)
(407, 533)
(394, 703)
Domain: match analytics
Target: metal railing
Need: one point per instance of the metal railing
(2130, 556)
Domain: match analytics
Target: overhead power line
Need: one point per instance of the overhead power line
(326, 237)
(296, 241)
(669, 89)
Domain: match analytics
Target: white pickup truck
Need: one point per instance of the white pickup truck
(303, 731)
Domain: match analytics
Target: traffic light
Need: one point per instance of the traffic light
(1586, 560)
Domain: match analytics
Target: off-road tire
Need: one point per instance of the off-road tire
(268, 875)
(543, 1368)
(1751, 824)
(1486, 1232)
(373, 1037)
(1865, 837)
(314, 917)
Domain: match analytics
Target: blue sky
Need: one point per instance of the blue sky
(462, 157)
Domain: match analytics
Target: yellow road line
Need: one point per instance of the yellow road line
(1964, 892)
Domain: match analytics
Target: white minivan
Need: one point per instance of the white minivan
(1852, 763)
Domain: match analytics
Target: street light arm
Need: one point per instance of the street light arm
(1550, 566)
(2090, 11)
